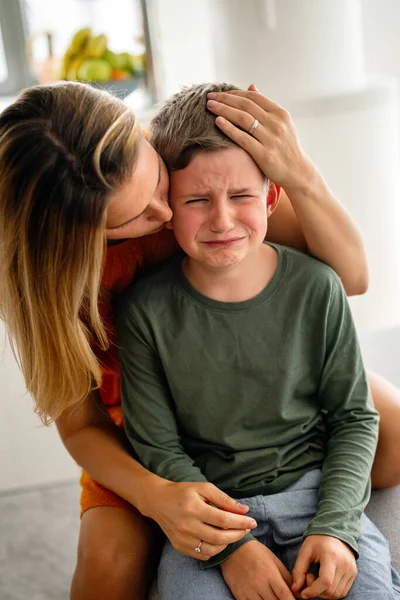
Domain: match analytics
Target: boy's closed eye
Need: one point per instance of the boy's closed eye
(242, 197)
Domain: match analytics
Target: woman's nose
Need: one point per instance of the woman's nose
(161, 210)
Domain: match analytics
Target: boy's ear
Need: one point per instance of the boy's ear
(169, 225)
(272, 197)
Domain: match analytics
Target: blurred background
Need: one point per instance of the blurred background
(334, 64)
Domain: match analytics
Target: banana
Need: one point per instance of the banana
(80, 39)
(75, 54)
(65, 64)
(74, 66)
(96, 46)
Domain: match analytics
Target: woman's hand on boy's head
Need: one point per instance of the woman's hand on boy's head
(253, 571)
(274, 144)
(337, 568)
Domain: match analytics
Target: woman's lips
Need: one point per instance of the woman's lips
(223, 243)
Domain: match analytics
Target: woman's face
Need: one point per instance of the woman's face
(140, 207)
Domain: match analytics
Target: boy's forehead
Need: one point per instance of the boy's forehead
(210, 170)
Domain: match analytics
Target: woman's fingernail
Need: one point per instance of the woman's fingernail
(253, 523)
(220, 121)
(211, 104)
(212, 95)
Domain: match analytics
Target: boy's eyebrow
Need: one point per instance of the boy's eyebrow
(205, 193)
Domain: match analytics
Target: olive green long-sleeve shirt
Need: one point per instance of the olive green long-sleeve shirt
(251, 395)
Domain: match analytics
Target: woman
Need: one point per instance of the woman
(75, 172)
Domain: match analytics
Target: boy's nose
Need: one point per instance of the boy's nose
(221, 220)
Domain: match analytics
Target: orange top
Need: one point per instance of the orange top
(123, 262)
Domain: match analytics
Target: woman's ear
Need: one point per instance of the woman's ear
(169, 225)
(272, 197)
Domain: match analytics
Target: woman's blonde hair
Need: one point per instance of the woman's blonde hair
(64, 148)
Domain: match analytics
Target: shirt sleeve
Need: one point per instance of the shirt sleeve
(149, 413)
(352, 428)
(147, 405)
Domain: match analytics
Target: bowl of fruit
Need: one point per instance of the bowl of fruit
(88, 59)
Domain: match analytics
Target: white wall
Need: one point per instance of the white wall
(182, 37)
(381, 27)
(30, 454)
(292, 50)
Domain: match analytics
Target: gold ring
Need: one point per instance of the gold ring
(254, 126)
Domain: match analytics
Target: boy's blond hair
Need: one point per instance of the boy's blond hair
(183, 126)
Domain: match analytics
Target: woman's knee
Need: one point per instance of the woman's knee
(117, 556)
(386, 468)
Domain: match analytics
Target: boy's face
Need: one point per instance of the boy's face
(220, 209)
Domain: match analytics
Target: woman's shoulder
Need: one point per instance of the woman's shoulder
(124, 260)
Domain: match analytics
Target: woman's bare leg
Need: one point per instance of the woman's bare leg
(117, 555)
(386, 468)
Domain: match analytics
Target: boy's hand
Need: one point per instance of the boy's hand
(253, 571)
(337, 568)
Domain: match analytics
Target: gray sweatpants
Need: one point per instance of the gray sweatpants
(282, 519)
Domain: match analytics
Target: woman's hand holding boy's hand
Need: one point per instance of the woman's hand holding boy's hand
(274, 144)
(253, 572)
(337, 568)
(184, 513)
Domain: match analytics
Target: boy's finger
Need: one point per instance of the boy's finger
(342, 585)
(310, 578)
(280, 589)
(287, 577)
(300, 569)
(348, 586)
(324, 581)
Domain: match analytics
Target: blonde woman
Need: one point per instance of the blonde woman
(83, 203)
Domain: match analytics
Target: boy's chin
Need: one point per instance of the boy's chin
(219, 260)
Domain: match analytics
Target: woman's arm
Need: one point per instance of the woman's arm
(309, 216)
(314, 221)
(181, 509)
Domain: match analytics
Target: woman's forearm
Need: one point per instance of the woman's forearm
(329, 231)
(102, 453)
(102, 450)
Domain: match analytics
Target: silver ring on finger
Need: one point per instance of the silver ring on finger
(198, 548)
(254, 126)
